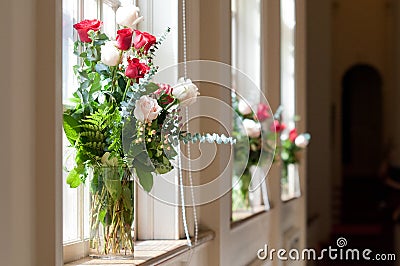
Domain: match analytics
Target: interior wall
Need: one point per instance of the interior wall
(362, 33)
(318, 121)
(17, 137)
(341, 34)
(396, 94)
(30, 189)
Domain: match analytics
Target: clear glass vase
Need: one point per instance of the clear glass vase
(112, 213)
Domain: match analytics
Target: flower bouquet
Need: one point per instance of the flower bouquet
(249, 146)
(122, 125)
(291, 145)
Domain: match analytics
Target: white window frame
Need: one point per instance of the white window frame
(289, 86)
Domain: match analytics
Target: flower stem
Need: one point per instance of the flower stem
(126, 89)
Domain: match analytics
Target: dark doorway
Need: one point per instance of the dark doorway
(363, 220)
(362, 121)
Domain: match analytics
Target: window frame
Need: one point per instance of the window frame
(289, 70)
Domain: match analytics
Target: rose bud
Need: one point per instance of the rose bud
(86, 25)
(124, 38)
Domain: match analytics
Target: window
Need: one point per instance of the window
(76, 201)
(290, 177)
(246, 57)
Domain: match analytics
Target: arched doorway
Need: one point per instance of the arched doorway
(361, 121)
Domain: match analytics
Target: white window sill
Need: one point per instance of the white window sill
(150, 252)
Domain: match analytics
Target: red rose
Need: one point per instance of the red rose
(124, 38)
(143, 40)
(262, 112)
(277, 127)
(136, 69)
(84, 26)
(164, 93)
(293, 135)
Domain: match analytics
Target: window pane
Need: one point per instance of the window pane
(246, 57)
(86, 212)
(70, 199)
(290, 178)
(109, 20)
(288, 93)
(69, 19)
(90, 9)
(70, 196)
(246, 47)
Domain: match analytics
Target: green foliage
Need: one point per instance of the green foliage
(145, 178)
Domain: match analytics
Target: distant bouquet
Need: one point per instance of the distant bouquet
(251, 141)
(291, 144)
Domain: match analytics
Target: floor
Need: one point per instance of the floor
(366, 221)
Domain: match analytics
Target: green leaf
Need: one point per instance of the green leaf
(73, 178)
(145, 179)
(112, 182)
(102, 216)
(114, 188)
(101, 68)
(143, 162)
(127, 198)
(71, 128)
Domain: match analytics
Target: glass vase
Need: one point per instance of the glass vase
(112, 213)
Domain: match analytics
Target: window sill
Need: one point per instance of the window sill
(150, 252)
(290, 199)
(242, 217)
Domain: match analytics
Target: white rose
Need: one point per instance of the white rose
(146, 109)
(110, 54)
(253, 129)
(128, 16)
(185, 91)
(244, 108)
(302, 140)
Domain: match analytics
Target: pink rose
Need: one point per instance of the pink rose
(146, 109)
(143, 40)
(84, 26)
(136, 69)
(277, 127)
(293, 135)
(124, 39)
(263, 112)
